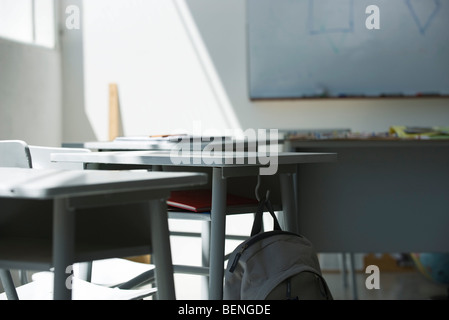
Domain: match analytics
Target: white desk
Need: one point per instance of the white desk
(129, 145)
(394, 197)
(71, 192)
(221, 171)
(142, 143)
(166, 144)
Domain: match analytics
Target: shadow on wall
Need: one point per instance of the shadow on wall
(76, 126)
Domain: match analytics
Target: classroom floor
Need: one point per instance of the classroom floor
(408, 285)
(393, 286)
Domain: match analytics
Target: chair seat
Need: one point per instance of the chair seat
(111, 272)
(41, 288)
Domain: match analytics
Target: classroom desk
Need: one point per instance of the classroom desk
(40, 209)
(129, 145)
(383, 196)
(145, 144)
(221, 170)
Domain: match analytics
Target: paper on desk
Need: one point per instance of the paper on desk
(172, 138)
(156, 138)
(416, 132)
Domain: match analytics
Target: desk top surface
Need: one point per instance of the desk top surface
(131, 145)
(368, 143)
(204, 159)
(137, 144)
(51, 183)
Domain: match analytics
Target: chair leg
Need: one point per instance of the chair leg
(353, 276)
(23, 277)
(8, 284)
(343, 270)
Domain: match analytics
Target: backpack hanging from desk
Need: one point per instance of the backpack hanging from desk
(274, 265)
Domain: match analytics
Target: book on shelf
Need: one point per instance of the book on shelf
(200, 200)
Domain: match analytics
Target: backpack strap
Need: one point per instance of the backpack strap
(257, 225)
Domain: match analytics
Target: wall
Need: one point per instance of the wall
(164, 85)
(30, 93)
(222, 26)
(30, 97)
(76, 126)
(181, 64)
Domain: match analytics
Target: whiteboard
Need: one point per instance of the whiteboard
(323, 48)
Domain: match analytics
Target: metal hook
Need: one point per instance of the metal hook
(256, 191)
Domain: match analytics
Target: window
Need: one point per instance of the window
(29, 21)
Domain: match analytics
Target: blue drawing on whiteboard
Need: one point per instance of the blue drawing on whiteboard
(423, 18)
(331, 16)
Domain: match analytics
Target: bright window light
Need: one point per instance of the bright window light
(44, 23)
(28, 21)
(16, 21)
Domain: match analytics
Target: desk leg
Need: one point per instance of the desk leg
(218, 229)
(63, 248)
(205, 257)
(289, 202)
(8, 284)
(160, 238)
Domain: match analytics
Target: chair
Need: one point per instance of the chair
(110, 278)
(41, 288)
(15, 154)
(99, 272)
(40, 157)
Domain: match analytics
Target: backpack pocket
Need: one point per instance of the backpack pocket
(305, 285)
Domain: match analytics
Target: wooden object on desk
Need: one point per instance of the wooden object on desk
(114, 132)
(114, 112)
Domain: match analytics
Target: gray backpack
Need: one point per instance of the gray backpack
(274, 265)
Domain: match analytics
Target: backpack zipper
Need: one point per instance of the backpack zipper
(237, 257)
(253, 240)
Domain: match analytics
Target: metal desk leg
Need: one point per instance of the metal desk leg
(160, 238)
(218, 229)
(289, 202)
(63, 248)
(205, 257)
(8, 284)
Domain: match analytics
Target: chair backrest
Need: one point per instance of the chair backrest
(15, 153)
(41, 157)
